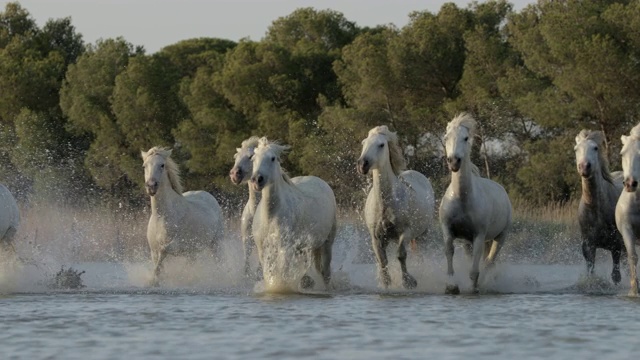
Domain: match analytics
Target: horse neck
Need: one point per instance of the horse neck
(593, 189)
(276, 192)
(165, 200)
(461, 181)
(384, 180)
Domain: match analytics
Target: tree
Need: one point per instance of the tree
(86, 99)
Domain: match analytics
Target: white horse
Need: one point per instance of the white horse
(180, 223)
(241, 173)
(9, 219)
(473, 208)
(628, 207)
(400, 205)
(600, 192)
(295, 213)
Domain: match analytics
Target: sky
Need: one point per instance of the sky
(158, 23)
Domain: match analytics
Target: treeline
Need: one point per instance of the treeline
(74, 116)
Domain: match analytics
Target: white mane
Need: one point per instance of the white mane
(396, 157)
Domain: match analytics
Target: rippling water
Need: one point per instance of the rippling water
(526, 311)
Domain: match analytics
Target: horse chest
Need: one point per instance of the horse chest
(386, 227)
(460, 224)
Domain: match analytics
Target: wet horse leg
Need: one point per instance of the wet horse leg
(379, 248)
(247, 247)
(452, 287)
(632, 259)
(157, 259)
(7, 240)
(408, 281)
(589, 253)
(496, 245)
(478, 252)
(615, 272)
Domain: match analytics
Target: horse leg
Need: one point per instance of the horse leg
(632, 259)
(7, 240)
(589, 253)
(327, 254)
(478, 251)
(408, 281)
(496, 245)
(379, 248)
(159, 257)
(247, 247)
(615, 272)
(452, 287)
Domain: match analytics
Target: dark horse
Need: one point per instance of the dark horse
(600, 192)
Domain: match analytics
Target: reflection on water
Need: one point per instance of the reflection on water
(206, 308)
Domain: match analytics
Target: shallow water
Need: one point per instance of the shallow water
(525, 311)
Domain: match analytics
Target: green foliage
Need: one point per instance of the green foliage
(79, 114)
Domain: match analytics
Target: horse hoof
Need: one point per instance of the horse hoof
(452, 290)
(307, 282)
(409, 282)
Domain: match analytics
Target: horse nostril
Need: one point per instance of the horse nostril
(634, 183)
(588, 166)
(260, 179)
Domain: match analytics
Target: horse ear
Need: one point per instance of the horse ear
(169, 151)
(143, 154)
(624, 139)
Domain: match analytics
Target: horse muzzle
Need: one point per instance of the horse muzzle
(257, 182)
(630, 185)
(363, 166)
(151, 187)
(236, 176)
(454, 163)
(584, 169)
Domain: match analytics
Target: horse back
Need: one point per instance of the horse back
(204, 209)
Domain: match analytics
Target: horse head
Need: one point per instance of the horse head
(266, 164)
(375, 152)
(458, 140)
(589, 152)
(380, 149)
(243, 167)
(158, 168)
(631, 159)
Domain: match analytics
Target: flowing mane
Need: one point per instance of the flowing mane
(463, 119)
(264, 144)
(396, 157)
(171, 166)
(249, 143)
(598, 138)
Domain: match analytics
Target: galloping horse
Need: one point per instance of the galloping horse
(9, 219)
(400, 205)
(600, 192)
(295, 213)
(240, 173)
(628, 207)
(473, 208)
(180, 223)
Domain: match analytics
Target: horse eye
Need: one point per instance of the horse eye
(466, 138)
(595, 148)
(273, 158)
(381, 145)
(162, 166)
